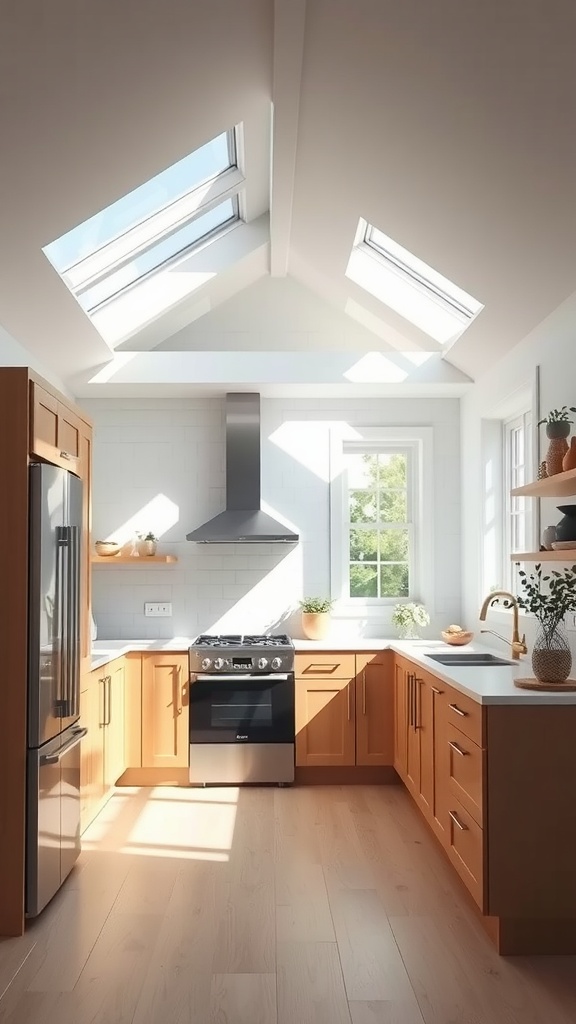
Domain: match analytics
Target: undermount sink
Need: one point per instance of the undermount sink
(469, 658)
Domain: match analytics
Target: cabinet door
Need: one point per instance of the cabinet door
(424, 724)
(114, 741)
(413, 744)
(44, 422)
(165, 736)
(400, 721)
(374, 715)
(68, 432)
(92, 750)
(325, 728)
(441, 818)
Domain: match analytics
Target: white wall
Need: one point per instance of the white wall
(175, 449)
(14, 354)
(552, 348)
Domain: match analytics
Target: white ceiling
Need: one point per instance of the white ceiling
(448, 125)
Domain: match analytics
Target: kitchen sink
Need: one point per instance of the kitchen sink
(469, 658)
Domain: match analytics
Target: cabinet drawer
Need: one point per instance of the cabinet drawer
(466, 849)
(337, 665)
(465, 760)
(464, 714)
(374, 658)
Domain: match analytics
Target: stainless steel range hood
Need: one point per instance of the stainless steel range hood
(243, 522)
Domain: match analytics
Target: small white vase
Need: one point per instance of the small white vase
(148, 547)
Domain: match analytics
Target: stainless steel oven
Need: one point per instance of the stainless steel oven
(241, 710)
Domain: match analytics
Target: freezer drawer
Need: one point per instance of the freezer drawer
(53, 817)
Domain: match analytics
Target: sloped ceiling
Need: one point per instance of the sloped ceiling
(449, 125)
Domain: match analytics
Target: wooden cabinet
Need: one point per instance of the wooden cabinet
(325, 722)
(55, 428)
(374, 686)
(165, 734)
(344, 709)
(103, 759)
(400, 719)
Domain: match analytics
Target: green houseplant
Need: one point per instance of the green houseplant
(558, 423)
(408, 618)
(549, 598)
(315, 617)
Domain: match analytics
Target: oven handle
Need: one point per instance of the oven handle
(241, 677)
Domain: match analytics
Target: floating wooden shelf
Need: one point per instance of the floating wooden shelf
(559, 486)
(567, 555)
(132, 559)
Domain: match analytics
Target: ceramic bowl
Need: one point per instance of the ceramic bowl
(106, 547)
(458, 639)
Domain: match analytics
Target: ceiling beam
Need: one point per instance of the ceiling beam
(289, 26)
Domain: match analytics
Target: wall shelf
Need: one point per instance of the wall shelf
(560, 485)
(132, 559)
(567, 555)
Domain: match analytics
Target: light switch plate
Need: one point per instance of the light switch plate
(158, 609)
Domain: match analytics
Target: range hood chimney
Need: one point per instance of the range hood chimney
(243, 522)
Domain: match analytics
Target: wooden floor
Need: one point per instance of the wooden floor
(318, 905)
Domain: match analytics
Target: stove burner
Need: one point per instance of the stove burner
(237, 640)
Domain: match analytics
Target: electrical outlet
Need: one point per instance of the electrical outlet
(158, 609)
(570, 621)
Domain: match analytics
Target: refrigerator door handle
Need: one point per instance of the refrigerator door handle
(74, 658)
(79, 735)
(62, 556)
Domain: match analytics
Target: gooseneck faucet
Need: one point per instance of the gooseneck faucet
(518, 645)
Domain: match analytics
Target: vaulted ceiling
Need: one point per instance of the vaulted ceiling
(448, 125)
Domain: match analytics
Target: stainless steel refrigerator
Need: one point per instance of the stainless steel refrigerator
(54, 736)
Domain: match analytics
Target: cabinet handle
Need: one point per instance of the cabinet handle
(409, 681)
(69, 456)
(412, 699)
(349, 708)
(102, 717)
(179, 703)
(436, 690)
(418, 683)
(457, 749)
(458, 711)
(363, 691)
(109, 681)
(459, 824)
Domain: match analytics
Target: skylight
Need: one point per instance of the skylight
(163, 219)
(409, 286)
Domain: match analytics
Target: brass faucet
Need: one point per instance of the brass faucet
(518, 645)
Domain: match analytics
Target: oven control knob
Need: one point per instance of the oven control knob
(262, 662)
(206, 663)
(218, 664)
(276, 663)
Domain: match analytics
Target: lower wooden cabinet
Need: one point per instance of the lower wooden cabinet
(165, 735)
(103, 748)
(345, 721)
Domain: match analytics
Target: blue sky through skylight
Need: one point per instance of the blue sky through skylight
(172, 183)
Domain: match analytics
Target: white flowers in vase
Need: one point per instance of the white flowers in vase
(408, 617)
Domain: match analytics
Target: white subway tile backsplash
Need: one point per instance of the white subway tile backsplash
(176, 448)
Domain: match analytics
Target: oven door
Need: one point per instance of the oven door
(242, 708)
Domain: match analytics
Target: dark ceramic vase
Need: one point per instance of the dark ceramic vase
(566, 528)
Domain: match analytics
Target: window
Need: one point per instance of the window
(518, 519)
(379, 523)
(152, 226)
(381, 539)
(409, 286)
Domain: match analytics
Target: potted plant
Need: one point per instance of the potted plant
(148, 543)
(551, 656)
(408, 617)
(558, 425)
(315, 617)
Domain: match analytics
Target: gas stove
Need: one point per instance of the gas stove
(246, 653)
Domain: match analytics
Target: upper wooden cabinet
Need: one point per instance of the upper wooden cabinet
(56, 430)
(344, 709)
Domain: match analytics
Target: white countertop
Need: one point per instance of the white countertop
(487, 684)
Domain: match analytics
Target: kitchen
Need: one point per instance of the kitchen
(158, 464)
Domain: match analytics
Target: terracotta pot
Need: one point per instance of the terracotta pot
(315, 625)
(569, 460)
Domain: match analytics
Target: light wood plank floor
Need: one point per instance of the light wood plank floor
(318, 905)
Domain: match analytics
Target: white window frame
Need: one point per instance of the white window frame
(515, 507)
(418, 442)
